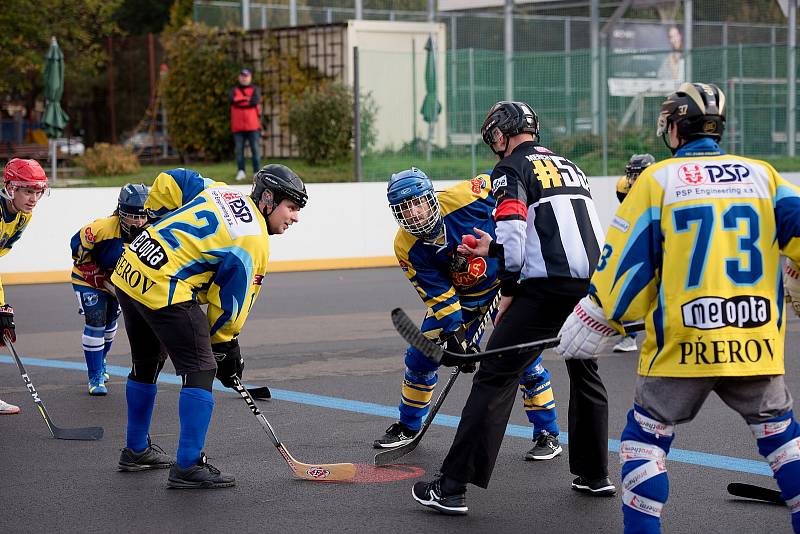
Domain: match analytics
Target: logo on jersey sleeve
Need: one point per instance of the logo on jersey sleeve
(88, 235)
(477, 185)
(236, 212)
(258, 279)
(497, 183)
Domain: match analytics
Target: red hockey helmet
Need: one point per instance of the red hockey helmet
(22, 173)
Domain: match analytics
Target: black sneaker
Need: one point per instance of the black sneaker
(153, 457)
(430, 494)
(546, 447)
(397, 434)
(601, 487)
(202, 475)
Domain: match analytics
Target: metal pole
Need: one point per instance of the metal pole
(356, 115)
(472, 111)
(431, 10)
(112, 110)
(791, 80)
(413, 89)
(359, 10)
(263, 12)
(772, 74)
(594, 36)
(246, 14)
(453, 82)
(292, 12)
(508, 26)
(568, 74)
(604, 107)
(687, 40)
(328, 15)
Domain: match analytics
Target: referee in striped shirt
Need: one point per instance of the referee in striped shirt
(548, 244)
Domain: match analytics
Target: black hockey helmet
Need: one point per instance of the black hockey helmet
(696, 109)
(637, 164)
(509, 118)
(274, 183)
(130, 207)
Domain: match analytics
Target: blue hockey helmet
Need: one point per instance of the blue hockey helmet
(130, 206)
(414, 203)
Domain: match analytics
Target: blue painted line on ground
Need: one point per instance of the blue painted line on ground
(716, 461)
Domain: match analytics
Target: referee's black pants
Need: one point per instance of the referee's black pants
(537, 312)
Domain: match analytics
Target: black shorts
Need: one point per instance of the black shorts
(180, 329)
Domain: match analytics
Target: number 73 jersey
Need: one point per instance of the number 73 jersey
(695, 250)
(213, 248)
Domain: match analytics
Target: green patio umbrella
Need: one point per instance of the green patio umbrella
(55, 119)
(431, 107)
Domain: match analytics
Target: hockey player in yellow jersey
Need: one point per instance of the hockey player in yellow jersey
(24, 183)
(96, 248)
(210, 245)
(695, 251)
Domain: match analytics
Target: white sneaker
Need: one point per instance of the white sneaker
(628, 344)
(8, 409)
(240, 175)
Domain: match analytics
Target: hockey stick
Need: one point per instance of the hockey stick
(758, 493)
(389, 456)
(316, 472)
(409, 331)
(91, 433)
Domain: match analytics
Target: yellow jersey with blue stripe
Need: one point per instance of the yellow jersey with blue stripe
(99, 242)
(715, 307)
(211, 246)
(11, 228)
(444, 279)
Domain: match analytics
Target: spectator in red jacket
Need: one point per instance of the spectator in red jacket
(245, 101)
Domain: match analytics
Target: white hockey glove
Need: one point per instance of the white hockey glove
(585, 332)
(791, 281)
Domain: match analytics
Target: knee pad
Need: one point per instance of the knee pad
(645, 486)
(778, 441)
(146, 372)
(95, 316)
(199, 379)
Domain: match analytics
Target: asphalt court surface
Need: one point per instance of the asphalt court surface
(324, 343)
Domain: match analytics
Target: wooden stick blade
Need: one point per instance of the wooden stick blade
(318, 472)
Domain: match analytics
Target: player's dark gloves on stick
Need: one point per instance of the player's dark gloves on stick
(230, 364)
(456, 342)
(7, 327)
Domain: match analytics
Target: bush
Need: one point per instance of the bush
(106, 160)
(322, 121)
(202, 67)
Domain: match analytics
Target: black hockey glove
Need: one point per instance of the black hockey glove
(7, 324)
(470, 367)
(230, 364)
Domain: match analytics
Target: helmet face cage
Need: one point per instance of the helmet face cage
(130, 206)
(696, 109)
(420, 215)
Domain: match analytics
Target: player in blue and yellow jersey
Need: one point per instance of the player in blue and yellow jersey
(24, 183)
(695, 251)
(210, 245)
(457, 291)
(96, 248)
(636, 164)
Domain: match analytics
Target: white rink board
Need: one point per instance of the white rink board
(343, 220)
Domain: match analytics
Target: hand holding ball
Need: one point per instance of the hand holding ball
(469, 241)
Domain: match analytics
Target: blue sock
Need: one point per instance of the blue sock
(141, 398)
(195, 406)
(93, 349)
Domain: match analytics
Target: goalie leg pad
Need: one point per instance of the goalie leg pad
(538, 399)
(778, 441)
(645, 486)
(141, 398)
(195, 406)
(416, 396)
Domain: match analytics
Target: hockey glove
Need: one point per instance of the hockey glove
(7, 328)
(791, 281)
(453, 342)
(470, 367)
(93, 275)
(585, 332)
(230, 364)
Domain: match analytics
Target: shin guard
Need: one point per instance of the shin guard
(140, 398)
(645, 486)
(195, 407)
(779, 442)
(416, 397)
(538, 400)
